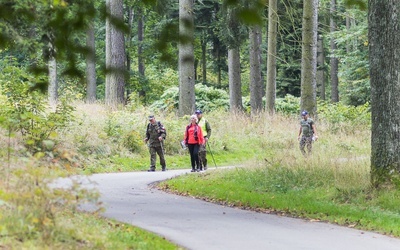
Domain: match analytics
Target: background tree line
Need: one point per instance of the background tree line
(138, 41)
(120, 51)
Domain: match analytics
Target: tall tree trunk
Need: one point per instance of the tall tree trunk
(108, 51)
(334, 60)
(115, 90)
(204, 57)
(141, 65)
(309, 56)
(90, 65)
(384, 61)
(128, 43)
(271, 58)
(321, 67)
(255, 70)
(235, 84)
(53, 82)
(186, 58)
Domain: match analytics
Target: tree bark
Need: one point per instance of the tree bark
(334, 60)
(204, 57)
(53, 83)
(186, 58)
(321, 68)
(90, 65)
(309, 56)
(384, 61)
(255, 70)
(271, 58)
(141, 64)
(115, 89)
(235, 85)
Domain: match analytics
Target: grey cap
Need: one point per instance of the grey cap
(151, 117)
(304, 113)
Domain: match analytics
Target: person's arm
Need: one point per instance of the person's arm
(147, 134)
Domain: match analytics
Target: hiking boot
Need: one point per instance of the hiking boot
(205, 168)
(151, 170)
(164, 169)
(193, 170)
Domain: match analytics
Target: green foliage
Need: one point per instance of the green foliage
(353, 56)
(288, 105)
(343, 117)
(132, 141)
(207, 99)
(27, 113)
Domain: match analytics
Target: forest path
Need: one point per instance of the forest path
(196, 224)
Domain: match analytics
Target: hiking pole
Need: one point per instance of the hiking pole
(209, 148)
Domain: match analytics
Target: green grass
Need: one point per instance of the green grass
(90, 231)
(316, 193)
(333, 185)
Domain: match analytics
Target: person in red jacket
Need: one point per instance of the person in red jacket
(193, 139)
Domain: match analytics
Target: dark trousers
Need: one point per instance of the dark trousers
(194, 155)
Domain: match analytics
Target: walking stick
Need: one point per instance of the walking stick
(209, 148)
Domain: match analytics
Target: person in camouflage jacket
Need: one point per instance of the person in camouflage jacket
(307, 133)
(155, 136)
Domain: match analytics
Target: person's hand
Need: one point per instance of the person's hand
(206, 139)
(145, 139)
(316, 137)
(160, 138)
(298, 138)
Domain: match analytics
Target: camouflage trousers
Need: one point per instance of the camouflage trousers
(306, 143)
(153, 157)
(203, 156)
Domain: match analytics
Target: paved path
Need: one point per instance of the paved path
(195, 224)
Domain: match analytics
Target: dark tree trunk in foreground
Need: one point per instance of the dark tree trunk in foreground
(384, 61)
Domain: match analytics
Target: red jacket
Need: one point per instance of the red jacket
(190, 134)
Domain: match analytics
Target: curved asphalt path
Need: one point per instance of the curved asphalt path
(195, 224)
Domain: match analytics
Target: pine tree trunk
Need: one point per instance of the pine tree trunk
(116, 86)
(271, 58)
(255, 70)
(321, 68)
(186, 58)
(53, 84)
(309, 56)
(141, 65)
(334, 61)
(235, 85)
(90, 65)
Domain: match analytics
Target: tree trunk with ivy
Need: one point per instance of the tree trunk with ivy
(384, 61)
